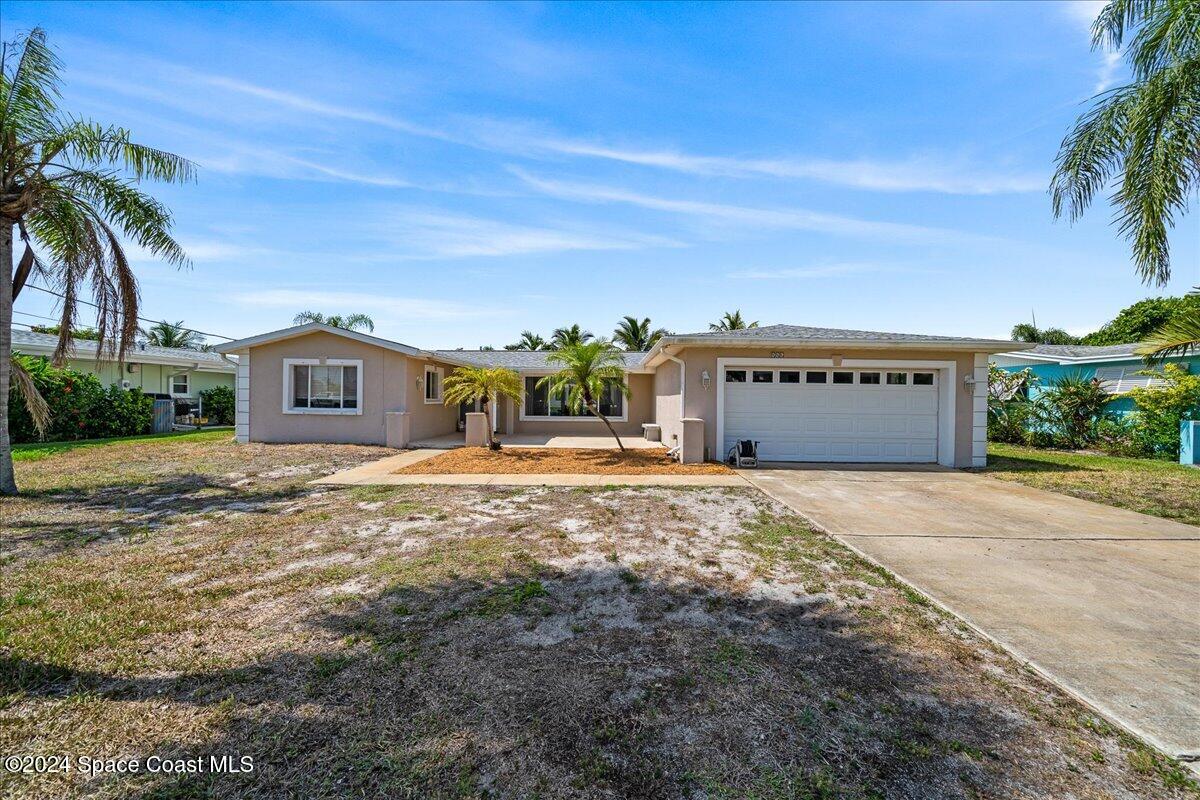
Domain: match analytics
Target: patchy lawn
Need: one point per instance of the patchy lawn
(195, 598)
(1152, 487)
(32, 451)
(543, 461)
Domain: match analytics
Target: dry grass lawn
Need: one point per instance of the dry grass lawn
(193, 598)
(546, 461)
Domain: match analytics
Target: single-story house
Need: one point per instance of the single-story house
(164, 372)
(1117, 368)
(806, 394)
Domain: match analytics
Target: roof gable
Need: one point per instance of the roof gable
(316, 327)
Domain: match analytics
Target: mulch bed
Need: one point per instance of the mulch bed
(517, 460)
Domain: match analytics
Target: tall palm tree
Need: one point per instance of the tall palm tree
(69, 187)
(529, 341)
(1030, 332)
(468, 384)
(731, 322)
(350, 322)
(168, 334)
(1146, 134)
(564, 337)
(636, 336)
(588, 371)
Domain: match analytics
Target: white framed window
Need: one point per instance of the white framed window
(539, 404)
(322, 386)
(433, 383)
(180, 385)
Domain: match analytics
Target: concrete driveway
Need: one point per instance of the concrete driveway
(1104, 601)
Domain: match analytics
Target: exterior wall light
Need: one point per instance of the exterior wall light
(705, 379)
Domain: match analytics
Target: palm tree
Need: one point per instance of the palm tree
(1030, 332)
(564, 337)
(589, 370)
(731, 322)
(167, 334)
(636, 336)
(1146, 134)
(528, 341)
(350, 322)
(1178, 337)
(468, 384)
(69, 187)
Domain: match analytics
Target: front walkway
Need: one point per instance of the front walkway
(381, 473)
(589, 442)
(1101, 600)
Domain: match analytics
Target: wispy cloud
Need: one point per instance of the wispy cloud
(361, 302)
(835, 270)
(744, 216)
(443, 235)
(1083, 13)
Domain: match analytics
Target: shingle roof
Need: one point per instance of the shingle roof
(520, 359)
(34, 343)
(1083, 350)
(803, 333)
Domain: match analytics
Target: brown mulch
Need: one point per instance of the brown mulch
(518, 460)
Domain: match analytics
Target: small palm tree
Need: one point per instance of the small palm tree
(468, 384)
(69, 188)
(350, 322)
(589, 370)
(565, 337)
(636, 336)
(529, 341)
(1145, 134)
(167, 334)
(731, 322)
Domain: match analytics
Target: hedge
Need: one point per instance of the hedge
(80, 406)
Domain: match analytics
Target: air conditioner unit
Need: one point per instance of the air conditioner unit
(134, 367)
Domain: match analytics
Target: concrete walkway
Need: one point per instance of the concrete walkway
(381, 473)
(1103, 601)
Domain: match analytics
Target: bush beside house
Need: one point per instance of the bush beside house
(218, 405)
(80, 406)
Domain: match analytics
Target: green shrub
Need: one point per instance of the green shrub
(1072, 407)
(218, 403)
(1160, 409)
(80, 407)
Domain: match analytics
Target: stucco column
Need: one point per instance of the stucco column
(398, 428)
(477, 432)
(691, 443)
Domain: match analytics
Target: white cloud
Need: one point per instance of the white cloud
(745, 216)
(1083, 13)
(360, 302)
(817, 271)
(1106, 78)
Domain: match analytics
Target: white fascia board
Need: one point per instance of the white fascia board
(132, 356)
(678, 343)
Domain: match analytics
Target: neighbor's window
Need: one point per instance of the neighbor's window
(897, 378)
(433, 384)
(815, 377)
(922, 379)
(735, 376)
(324, 387)
(539, 402)
(843, 377)
(871, 378)
(179, 384)
(764, 376)
(789, 376)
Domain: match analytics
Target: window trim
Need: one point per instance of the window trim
(187, 380)
(441, 378)
(523, 417)
(288, 363)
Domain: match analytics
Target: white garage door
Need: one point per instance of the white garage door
(832, 414)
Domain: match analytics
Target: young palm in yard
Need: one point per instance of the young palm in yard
(636, 335)
(68, 188)
(589, 371)
(485, 384)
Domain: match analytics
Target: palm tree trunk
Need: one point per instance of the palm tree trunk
(487, 416)
(8, 483)
(595, 409)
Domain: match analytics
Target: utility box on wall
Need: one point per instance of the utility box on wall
(1189, 442)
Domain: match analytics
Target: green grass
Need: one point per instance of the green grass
(35, 451)
(1158, 488)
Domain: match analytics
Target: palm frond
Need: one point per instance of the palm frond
(35, 404)
(1178, 337)
(28, 86)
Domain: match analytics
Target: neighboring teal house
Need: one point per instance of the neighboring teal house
(163, 372)
(1116, 366)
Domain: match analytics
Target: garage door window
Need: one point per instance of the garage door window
(870, 378)
(816, 377)
(789, 376)
(735, 376)
(922, 379)
(897, 378)
(843, 377)
(763, 376)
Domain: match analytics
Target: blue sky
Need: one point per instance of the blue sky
(463, 172)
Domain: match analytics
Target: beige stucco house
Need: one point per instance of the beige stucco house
(806, 394)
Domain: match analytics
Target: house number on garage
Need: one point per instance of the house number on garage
(776, 354)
